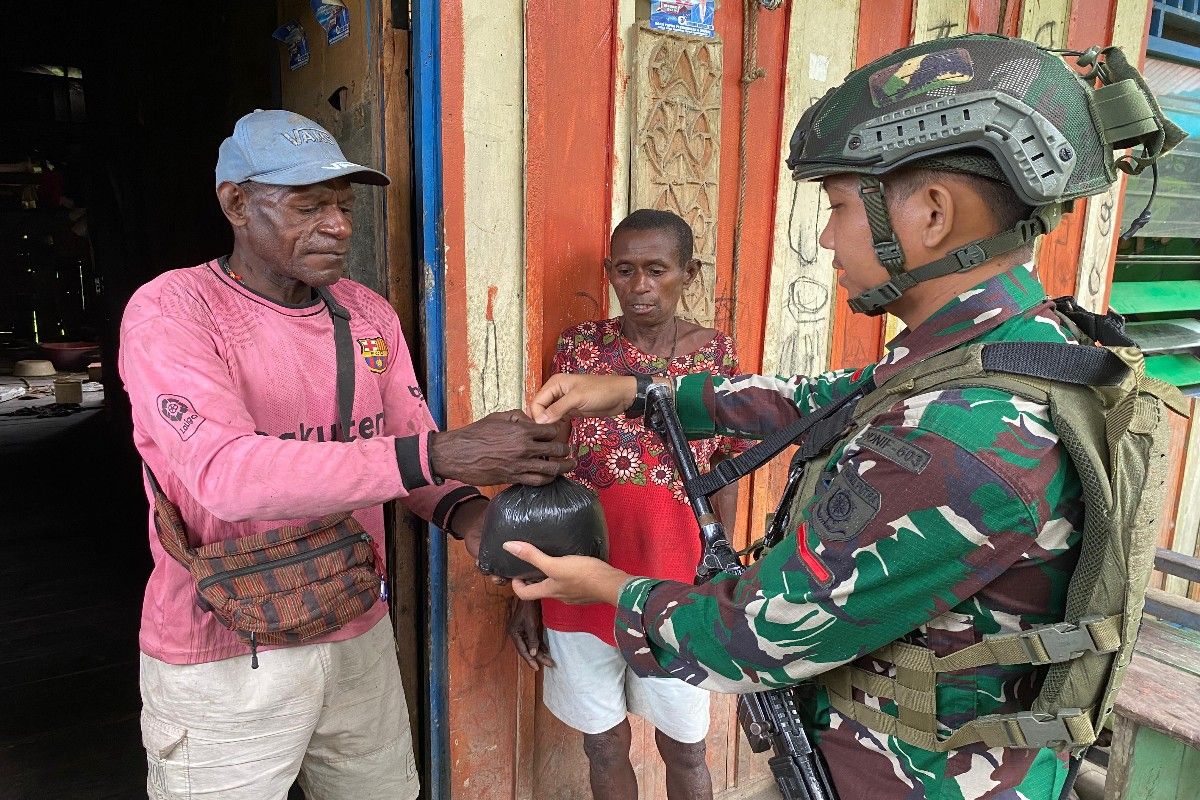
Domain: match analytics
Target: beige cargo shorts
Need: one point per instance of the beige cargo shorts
(332, 714)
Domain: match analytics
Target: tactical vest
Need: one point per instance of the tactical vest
(1113, 424)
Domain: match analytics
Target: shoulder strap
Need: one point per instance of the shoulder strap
(345, 361)
(168, 523)
(1056, 361)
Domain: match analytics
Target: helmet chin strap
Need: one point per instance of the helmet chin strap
(1042, 219)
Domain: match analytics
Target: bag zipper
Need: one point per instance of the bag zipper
(346, 541)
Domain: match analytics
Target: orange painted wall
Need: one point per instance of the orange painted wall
(570, 94)
(857, 338)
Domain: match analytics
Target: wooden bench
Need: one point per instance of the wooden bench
(1155, 752)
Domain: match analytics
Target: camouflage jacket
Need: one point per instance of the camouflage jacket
(976, 534)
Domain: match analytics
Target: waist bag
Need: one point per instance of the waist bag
(293, 583)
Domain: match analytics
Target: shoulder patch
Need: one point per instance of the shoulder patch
(847, 507)
(179, 414)
(905, 455)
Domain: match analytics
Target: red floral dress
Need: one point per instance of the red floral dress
(651, 528)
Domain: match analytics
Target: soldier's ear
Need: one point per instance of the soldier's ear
(929, 214)
(234, 203)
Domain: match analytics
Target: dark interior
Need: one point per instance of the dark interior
(112, 114)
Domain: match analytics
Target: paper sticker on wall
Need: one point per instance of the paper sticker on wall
(693, 17)
(293, 38)
(334, 17)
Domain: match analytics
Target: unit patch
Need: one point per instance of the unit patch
(848, 506)
(905, 455)
(920, 75)
(374, 353)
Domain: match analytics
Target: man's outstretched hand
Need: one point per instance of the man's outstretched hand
(572, 579)
(504, 447)
(565, 396)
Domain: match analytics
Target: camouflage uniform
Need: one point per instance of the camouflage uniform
(958, 515)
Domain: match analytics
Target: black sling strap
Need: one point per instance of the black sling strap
(345, 361)
(827, 423)
(1056, 361)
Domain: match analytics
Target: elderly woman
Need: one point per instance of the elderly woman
(651, 527)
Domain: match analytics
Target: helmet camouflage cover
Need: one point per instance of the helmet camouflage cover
(1051, 132)
(1005, 109)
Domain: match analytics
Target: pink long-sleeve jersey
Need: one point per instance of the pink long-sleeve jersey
(235, 412)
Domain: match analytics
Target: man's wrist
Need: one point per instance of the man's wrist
(459, 516)
(435, 455)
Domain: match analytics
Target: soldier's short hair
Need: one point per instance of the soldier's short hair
(976, 168)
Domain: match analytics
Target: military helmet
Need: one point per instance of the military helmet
(1000, 107)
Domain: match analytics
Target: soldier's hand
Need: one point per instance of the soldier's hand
(525, 630)
(504, 447)
(572, 579)
(565, 396)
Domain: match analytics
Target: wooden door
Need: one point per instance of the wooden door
(357, 89)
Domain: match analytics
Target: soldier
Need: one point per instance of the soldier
(950, 514)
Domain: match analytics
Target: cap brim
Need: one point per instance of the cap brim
(308, 174)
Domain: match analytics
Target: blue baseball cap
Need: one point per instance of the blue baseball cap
(285, 149)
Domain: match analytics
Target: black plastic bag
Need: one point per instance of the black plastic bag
(562, 518)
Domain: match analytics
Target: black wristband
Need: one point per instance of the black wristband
(638, 407)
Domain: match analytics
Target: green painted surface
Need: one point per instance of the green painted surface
(1163, 768)
(1136, 297)
(1180, 369)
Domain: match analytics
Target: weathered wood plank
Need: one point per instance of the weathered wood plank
(1098, 249)
(800, 306)
(939, 19)
(1169, 644)
(1178, 431)
(1158, 770)
(622, 130)
(677, 146)
(1045, 22)
(1178, 564)
(1161, 697)
(1172, 608)
(493, 95)
(1120, 756)
(1187, 512)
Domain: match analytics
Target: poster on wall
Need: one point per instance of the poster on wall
(693, 17)
(333, 17)
(291, 35)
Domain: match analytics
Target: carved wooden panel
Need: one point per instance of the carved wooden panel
(676, 146)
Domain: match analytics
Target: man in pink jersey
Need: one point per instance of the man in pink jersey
(231, 370)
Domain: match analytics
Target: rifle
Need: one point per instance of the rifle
(770, 719)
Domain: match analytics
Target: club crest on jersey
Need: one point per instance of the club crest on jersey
(374, 353)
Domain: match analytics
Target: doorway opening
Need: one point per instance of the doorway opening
(112, 122)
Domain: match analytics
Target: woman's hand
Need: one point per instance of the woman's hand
(528, 636)
(565, 396)
(572, 579)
